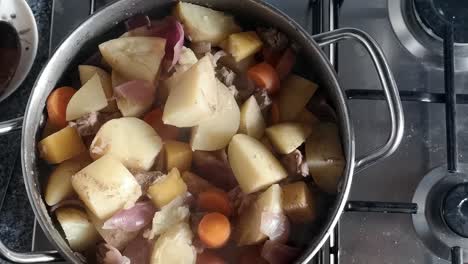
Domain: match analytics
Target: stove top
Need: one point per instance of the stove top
(411, 207)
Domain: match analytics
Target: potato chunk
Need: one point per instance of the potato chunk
(252, 122)
(205, 24)
(135, 58)
(242, 45)
(193, 95)
(79, 231)
(216, 131)
(89, 98)
(52, 148)
(249, 232)
(286, 137)
(294, 95)
(59, 185)
(174, 246)
(88, 71)
(106, 186)
(299, 202)
(131, 140)
(167, 188)
(254, 166)
(178, 155)
(324, 156)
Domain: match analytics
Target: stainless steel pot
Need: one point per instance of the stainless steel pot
(100, 25)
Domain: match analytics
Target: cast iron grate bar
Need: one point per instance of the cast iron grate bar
(381, 207)
(412, 96)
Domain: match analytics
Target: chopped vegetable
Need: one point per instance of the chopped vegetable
(57, 106)
(87, 72)
(167, 188)
(252, 122)
(132, 219)
(79, 231)
(52, 147)
(171, 30)
(286, 137)
(214, 230)
(89, 98)
(135, 97)
(174, 246)
(178, 155)
(196, 184)
(166, 132)
(242, 45)
(214, 201)
(299, 202)
(265, 77)
(294, 95)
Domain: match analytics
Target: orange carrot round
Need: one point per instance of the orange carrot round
(57, 106)
(166, 132)
(285, 64)
(214, 201)
(209, 258)
(265, 77)
(214, 230)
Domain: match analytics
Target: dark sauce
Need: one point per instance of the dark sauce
(10, 52)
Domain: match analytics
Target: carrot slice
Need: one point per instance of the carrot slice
(265, 76)
(286, 64)
(214, 230)
(274, 112)
(214, 201)
(166, 132)
(209, 258)
(57, 106)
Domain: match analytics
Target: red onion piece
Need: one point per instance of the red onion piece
(136, 91)
(138, 250)
(278, 253)
(137, 21)
(70, 202)
(132, 219)
(275, 226)
(107, 254)
(172, 30)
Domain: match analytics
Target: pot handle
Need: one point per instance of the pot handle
(11, 125)
(388, 84)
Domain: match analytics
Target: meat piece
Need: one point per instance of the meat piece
(217, 171)
(90, 124)
(201, 48)
(225, 75)
(146, 178)
(138, 250)
(107, 254)
(273, 38)
(295, 164)
(245, 86)
(278, 253)
(239, 200)
(263, 100)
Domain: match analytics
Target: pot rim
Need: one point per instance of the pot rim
(78, 38)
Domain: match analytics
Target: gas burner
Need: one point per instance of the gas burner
(419, 26)
(455, 209)
(434, 15)
(441, 222)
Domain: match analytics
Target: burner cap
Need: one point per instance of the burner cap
(436, 14)
(455, 209)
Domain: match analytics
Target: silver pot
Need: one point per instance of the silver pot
(91, 32)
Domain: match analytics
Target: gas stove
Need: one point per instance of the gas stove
(413, 206)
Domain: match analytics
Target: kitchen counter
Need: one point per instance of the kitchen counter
(16, 216)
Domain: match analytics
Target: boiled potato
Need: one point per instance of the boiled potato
(131, 140)
(196, 184)
(306, 117)
(249, 232)
(324, 156)
(286, 137)
(167, 188)
(59, 185)
(106, 186)
(216, 131)
(242, 45)
(135, 58)
(254, 166)
(178, 155)
(193, 96)
(89, 98)
(79, 231)
(299, 203)
(52, 148)
(87, 72)
(252, 122)
(117, 79)
(239, 67)
(174, 246)
(186, 60)
(294, 95)
(117, 238)
(205, 24)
